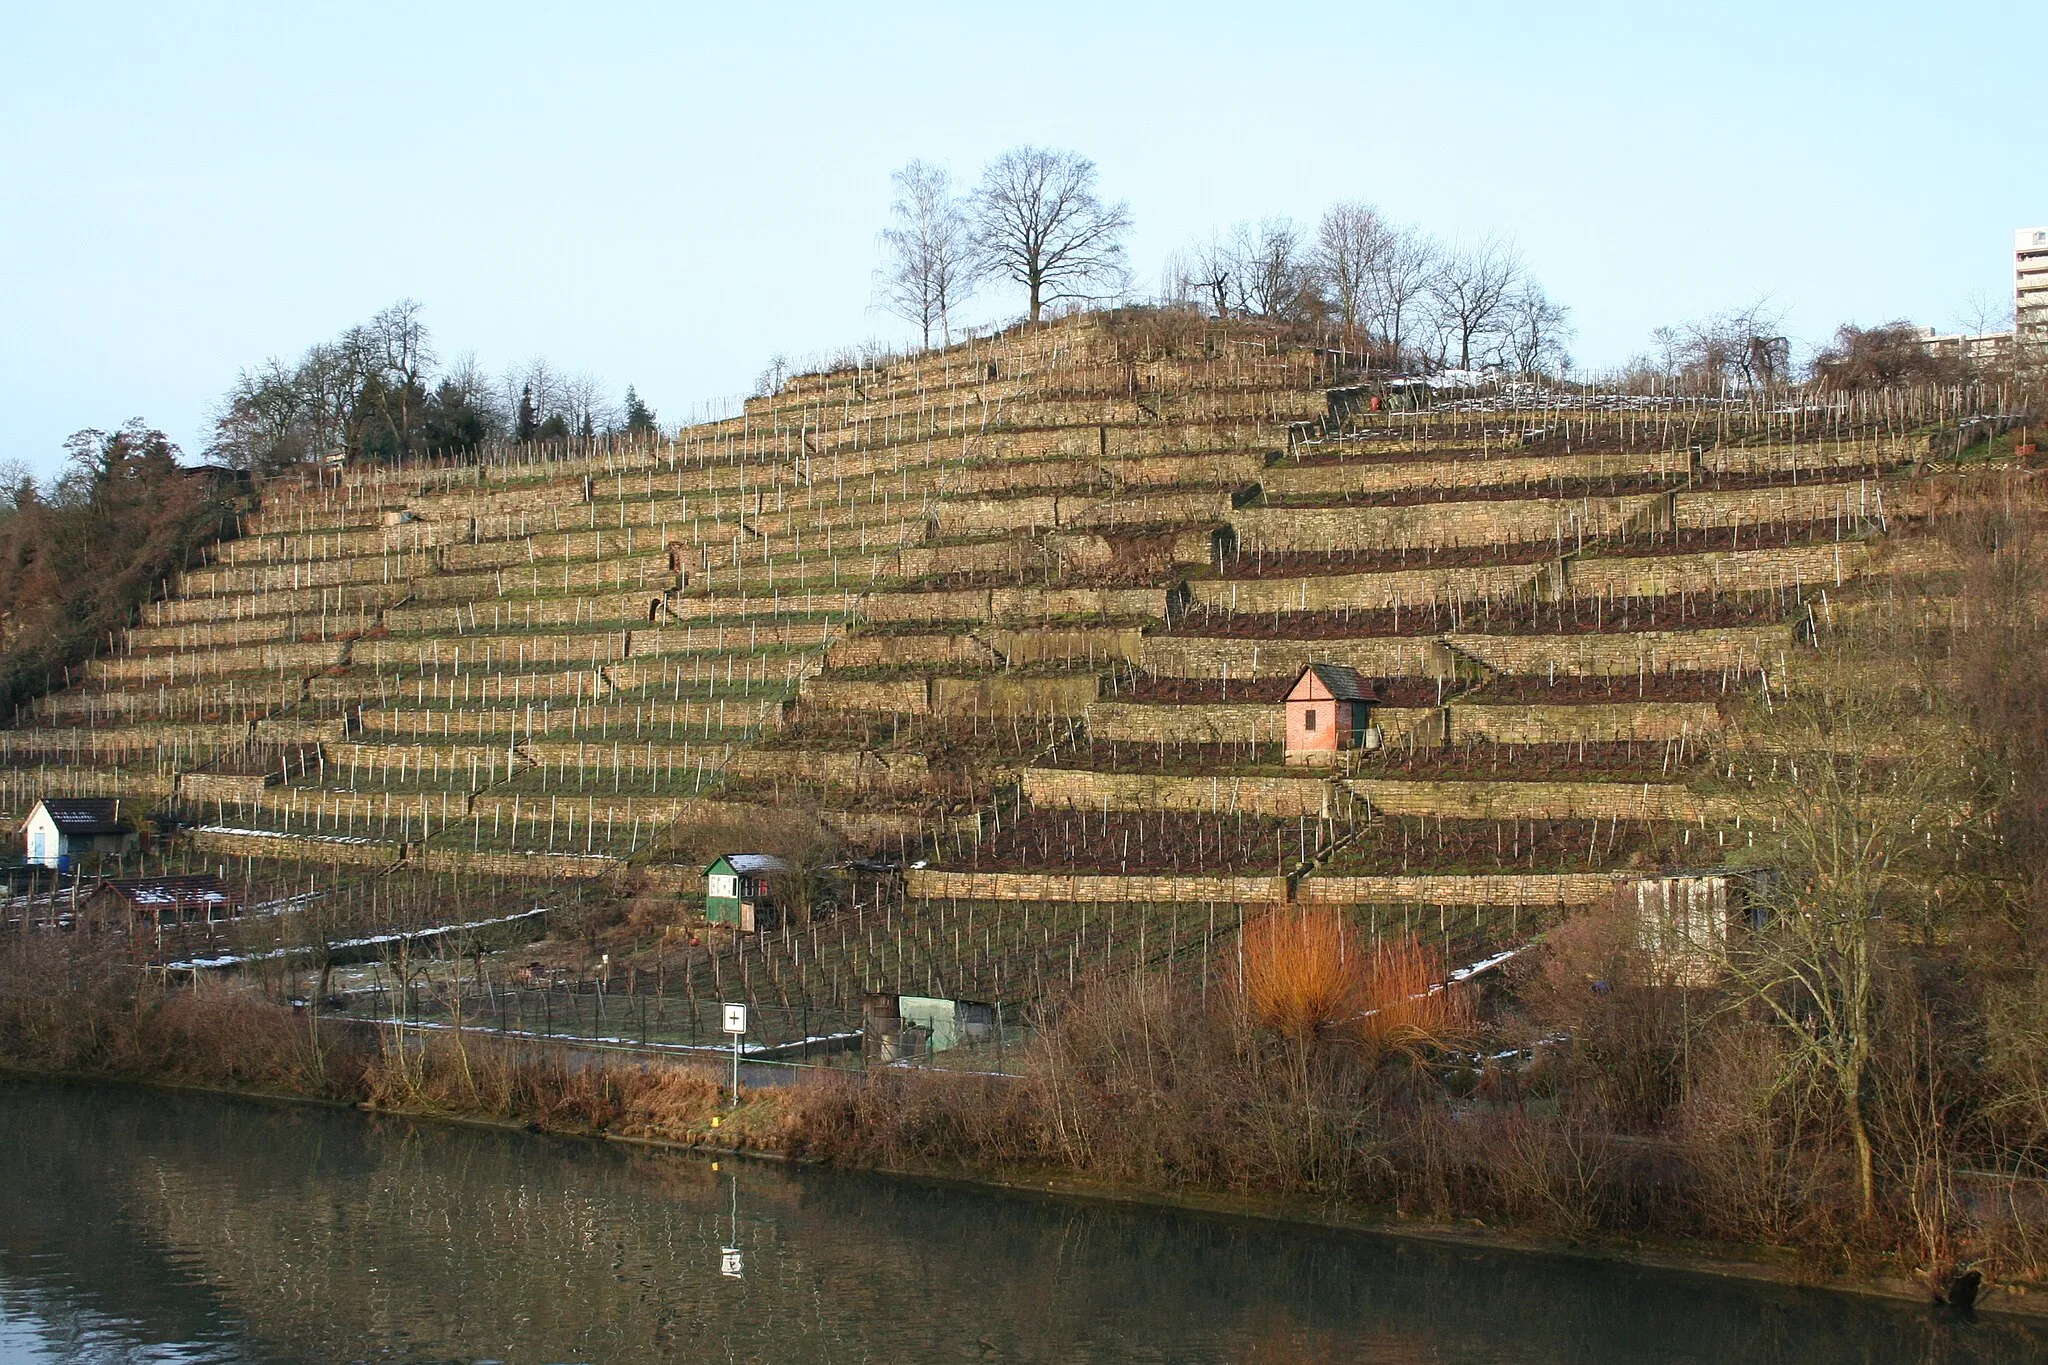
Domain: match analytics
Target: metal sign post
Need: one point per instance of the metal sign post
(736, 1025)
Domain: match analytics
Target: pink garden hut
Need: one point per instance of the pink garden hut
(1328, 713)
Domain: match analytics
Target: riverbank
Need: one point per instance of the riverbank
(767, 1126)
(1138, 1093)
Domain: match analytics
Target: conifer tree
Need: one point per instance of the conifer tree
(527, 423)
(639, 417)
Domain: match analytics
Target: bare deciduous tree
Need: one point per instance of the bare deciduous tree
(1258, 270)
(1738, 348)
(770, 381)
(927, 251)
(1874, 357)
(586, 405)
(539, 384)
(1351, 248)
(17, 486)
(389, 357)
(1535, 331)
(1469, 293)
(1272, 273)
(1876, 804)
(261, 424)
(1038, 222)
(279, 414)
(1397, 284)
(1202, 276)
(1982, 313)
(467, 378)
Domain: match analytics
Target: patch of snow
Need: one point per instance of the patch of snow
(237, 959)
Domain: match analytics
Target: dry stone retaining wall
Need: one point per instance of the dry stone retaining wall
(1530, 800)
(1472, 471)
(1441, 523)
(271, 658)
(1214, 723)
(1365, 591)
(1858, 499)
(853, 770)
(1093, 889)
(1091, 646)
(251, 843)
(1077, 789)
(1197, 656)
(888, 651)
(1534, 889)
(1621, 653)
(905, 696)
(1597, 722)
(1736, 570)
(1007, 694)
(343, 604)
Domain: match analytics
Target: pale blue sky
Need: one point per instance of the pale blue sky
(665, 195)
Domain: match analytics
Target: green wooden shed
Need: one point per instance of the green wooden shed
(738, 890)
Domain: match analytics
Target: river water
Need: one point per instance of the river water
(144, 1226)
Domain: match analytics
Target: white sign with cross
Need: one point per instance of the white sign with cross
(735, 1018)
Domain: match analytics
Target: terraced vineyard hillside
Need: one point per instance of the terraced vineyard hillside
(1013, 620)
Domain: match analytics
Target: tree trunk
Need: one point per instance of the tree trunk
(1865, 1179)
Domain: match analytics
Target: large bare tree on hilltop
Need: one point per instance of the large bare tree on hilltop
(1037, 221)
(927, 251)
(1352, 245)
(1275, 278)
(1470, 293)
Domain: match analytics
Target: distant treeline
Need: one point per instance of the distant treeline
(80, 557)
(375, 393)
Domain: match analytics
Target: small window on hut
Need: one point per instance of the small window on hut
(1308, 721)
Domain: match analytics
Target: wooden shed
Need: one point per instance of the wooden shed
(1328, 712)
(739, 890)
(60, 829)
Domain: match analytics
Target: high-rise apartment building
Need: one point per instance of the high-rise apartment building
(2030, 283)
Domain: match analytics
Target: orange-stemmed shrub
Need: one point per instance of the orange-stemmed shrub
(1308, 973)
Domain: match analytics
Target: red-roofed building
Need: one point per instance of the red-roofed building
(1328, 712)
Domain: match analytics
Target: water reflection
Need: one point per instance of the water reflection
(143, 1226)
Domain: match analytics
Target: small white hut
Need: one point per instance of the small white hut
(62, 828)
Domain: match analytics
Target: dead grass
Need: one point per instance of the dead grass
(551, 1088)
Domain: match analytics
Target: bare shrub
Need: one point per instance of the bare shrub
(1559, 1170)
(236, 1039)
(1591, 985)
(1756, 1146)
(898, 1119)
(1407, 1008)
